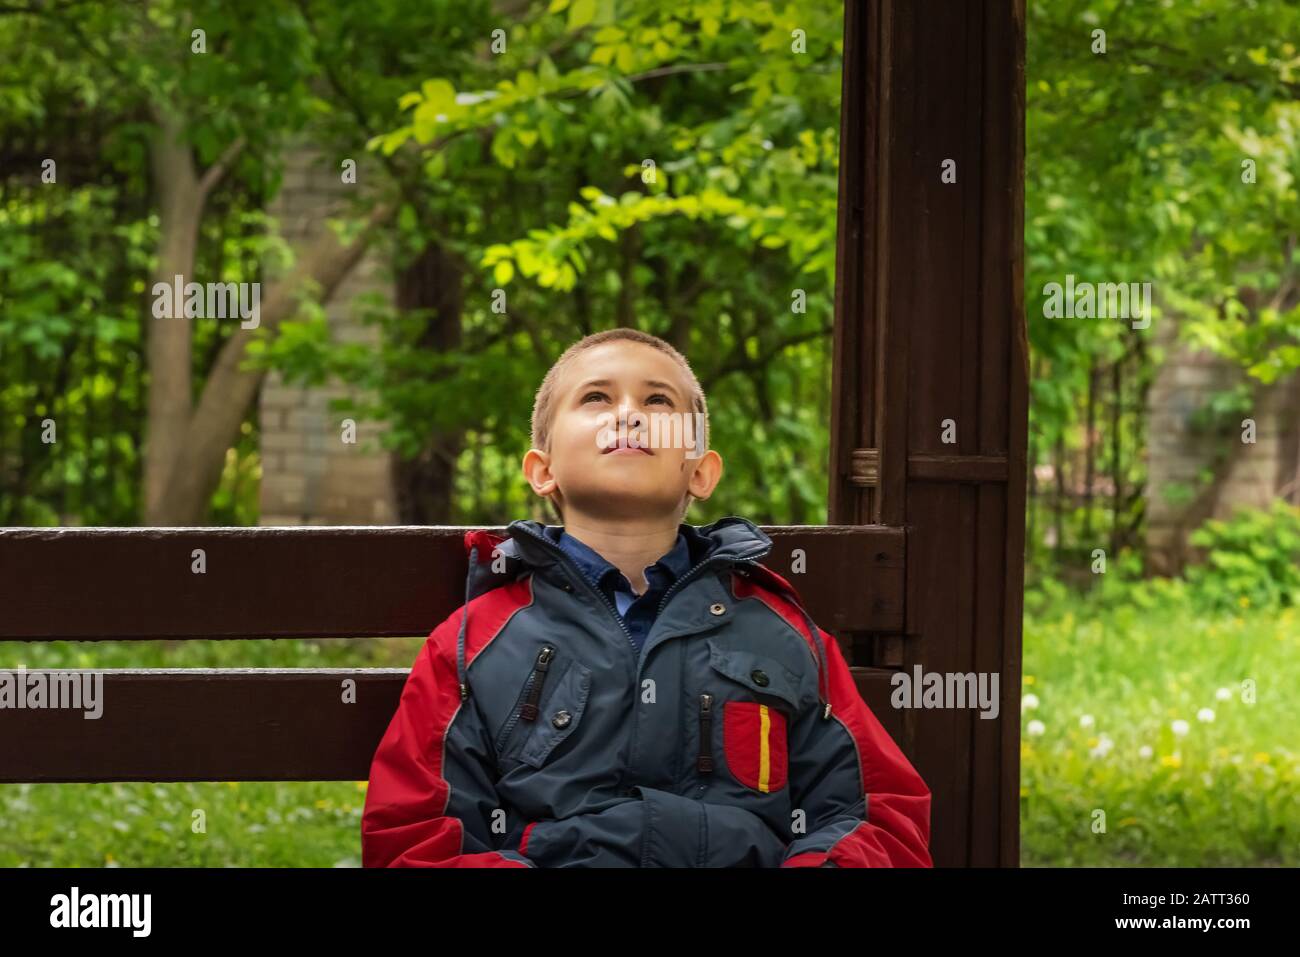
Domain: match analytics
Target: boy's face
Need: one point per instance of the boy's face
(591, 469)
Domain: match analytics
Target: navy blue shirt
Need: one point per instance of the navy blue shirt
(637, 611)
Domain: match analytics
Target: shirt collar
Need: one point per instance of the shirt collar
(676, 563)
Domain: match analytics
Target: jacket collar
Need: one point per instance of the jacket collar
(729, 539)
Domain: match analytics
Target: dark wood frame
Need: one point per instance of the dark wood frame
(922, 564)
(931, 326)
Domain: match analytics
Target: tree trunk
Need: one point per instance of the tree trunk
(1090, 455)
(168, 410)
(1117, 465)
(425, 484)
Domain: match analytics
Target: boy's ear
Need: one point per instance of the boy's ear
(537, 469)
(706, 475)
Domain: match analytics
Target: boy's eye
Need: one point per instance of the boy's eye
(605, 398)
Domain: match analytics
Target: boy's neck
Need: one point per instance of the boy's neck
(630, 546)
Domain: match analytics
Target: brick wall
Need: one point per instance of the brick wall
(310, 476)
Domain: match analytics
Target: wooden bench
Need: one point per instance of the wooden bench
(96, 584)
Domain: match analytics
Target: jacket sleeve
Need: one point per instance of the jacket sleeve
(431, 797)
(652, 828)
(864, 804)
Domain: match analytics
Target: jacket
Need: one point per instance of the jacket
(531, 733)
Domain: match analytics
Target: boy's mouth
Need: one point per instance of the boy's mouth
(623, 448)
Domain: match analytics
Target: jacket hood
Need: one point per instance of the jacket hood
(496, 560)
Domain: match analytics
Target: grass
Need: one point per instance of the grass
(1133, 658)
(242, 824)
(1123, 665)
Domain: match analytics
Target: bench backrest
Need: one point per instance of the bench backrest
(92, 584)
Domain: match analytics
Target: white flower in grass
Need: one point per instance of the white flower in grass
(1029, 702)
(1036, 728)
(1104, 744)
(1086, 721)
(1205, 714)
(1223, 694)
(1145, 751)
(1180, 727)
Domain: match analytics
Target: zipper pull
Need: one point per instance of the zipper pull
(704, 763)
(529, 711)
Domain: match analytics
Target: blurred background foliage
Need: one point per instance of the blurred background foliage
(524, 166)
(526, 170)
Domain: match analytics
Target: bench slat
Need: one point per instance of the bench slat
(372, 581)
(236, 725)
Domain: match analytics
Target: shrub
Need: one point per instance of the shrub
(1252, 560)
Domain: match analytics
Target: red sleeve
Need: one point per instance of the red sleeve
(866, 805)
(431, 792)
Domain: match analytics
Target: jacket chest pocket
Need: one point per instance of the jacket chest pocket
(548, 710)
(754, 717)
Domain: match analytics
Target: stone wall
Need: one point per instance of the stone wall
(1179, 453)
(310, 476)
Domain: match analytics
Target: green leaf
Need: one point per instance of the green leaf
(439, 95)
(581, 13)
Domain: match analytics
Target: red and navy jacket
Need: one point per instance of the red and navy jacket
(532, 732)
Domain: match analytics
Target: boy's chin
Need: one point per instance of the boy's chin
(625, 504)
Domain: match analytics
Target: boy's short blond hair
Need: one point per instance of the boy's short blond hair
(544, 402)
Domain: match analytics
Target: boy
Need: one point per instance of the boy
(629, 690)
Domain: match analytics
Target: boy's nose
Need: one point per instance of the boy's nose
(631, 416)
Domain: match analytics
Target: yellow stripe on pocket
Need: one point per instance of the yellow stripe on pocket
(764, 752)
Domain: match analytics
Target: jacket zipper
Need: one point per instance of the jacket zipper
(532, 693)
(704, 761)
(540, 667)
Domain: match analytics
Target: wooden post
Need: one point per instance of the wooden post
(931, 375)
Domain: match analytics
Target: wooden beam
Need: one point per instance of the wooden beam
(137, 583)
(254, 725)
(973, 469)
